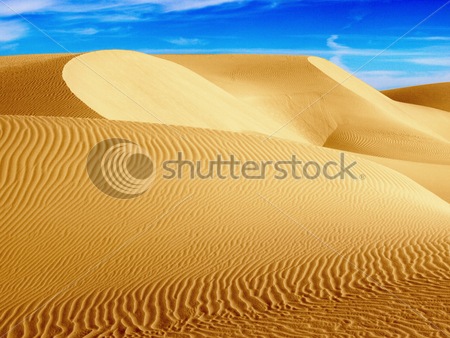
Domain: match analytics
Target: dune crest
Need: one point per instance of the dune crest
(132, 86)
(306, 91)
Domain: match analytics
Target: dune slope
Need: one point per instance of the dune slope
(215, 257)
(132, 86)
(434, 95)
(353, 116)
(33, 85)
(411, 139)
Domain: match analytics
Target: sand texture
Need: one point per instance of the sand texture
(220, 257)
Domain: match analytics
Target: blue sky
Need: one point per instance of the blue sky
(350, 33)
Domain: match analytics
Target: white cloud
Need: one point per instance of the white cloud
(119, 18)
(186, 42)
(393, 79)
(369, 73)
(85, 31)
(331, 42)
(103, 17)
(14, 7)
(385, 79)
(85, 6)
(88, 31)
(184, 5)
(91, 7)
(339, 51)
(437, 61)
(342, 50)
(430, 38)
(337, 60)
(9, 47)
(12, 30)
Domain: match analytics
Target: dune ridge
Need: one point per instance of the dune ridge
(148, 89)
(291, 84)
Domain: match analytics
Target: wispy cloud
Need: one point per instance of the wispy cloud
(85, 31)
(184, 5)
(434, 61)
(339, 51)
(88, 31)
(15, 7)
(384, 79)
(9, 46)
(120, 17)
(104, 17)
(331, 42)
(186, 42)
(429, 38)
(11, 30)
(387, 80)
(85, 6)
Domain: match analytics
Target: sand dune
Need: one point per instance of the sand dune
(132, 86)
(433, 177)
(219, 257)
(353, 117)
(299, 258)
(33, 85)
(432, 95)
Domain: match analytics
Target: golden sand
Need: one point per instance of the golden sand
(219, 258)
